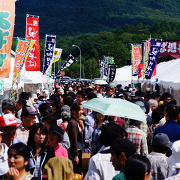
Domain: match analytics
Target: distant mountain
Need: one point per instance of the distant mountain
(74, 17)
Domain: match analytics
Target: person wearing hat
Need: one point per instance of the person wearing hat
(8, 124)
(174, 159)
(28, 118)
(3, 157)
(161, 145)
(120, 151)
(55, 137)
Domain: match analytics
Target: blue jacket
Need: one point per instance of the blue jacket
(171, 128)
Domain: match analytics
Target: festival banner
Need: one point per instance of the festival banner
(107, 60)
(111, 72)
(21, 54)
(32, 33)
(7, 16)
(69, 61)
(153, 57)
(140, 70)
(57, 54)
(50, 42)
(170, 47)
(146, 49)
(136, 57)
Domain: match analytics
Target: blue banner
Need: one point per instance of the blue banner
(49, 51)
(153, 57)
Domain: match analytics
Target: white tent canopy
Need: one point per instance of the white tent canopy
(123, 75)
(168, 74)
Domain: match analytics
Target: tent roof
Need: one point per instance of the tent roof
(168, 74)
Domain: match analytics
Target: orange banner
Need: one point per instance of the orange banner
(7, 16)
(32, 33)
(22, 52)
(136, 57)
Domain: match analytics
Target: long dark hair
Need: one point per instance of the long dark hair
(33, 131)
(136, 167)
(23, 150)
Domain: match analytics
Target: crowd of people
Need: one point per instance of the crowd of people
(44, 136)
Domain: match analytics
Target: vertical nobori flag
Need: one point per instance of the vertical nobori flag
(49, 51)
(32, 33)
(153, 57)
(69, 61)
(22, 51)
(7, 16)
(111, 72)
(136, 58)
(107, 60)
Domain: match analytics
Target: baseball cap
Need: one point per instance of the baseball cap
(161, 140)
(8, 120)
(56, 129)
(28, 111)
(122, 145)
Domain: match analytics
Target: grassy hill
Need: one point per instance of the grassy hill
(75, 17)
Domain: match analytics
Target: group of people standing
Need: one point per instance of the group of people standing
(44, 138)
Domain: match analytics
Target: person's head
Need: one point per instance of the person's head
(68, 100)
(49, 120)
(138, 94)
(58, 91)
(161, 143)
(5, 102)
(137, 167)
(24, 96)
(18, 156)
(157, 115)
(166, 98)
(120, 150)
(100, 90)
(99, 116)
(54, 98)
(91, 95)
(76, 110)
(63, 171)
(20, 104)
(111, 132)
(8, 124)
(109, 91)
(43, 107)
(55, 135)
(153, 104)
(80, 96)
(9, 109)
(65, 116)
(37, 136)
(171, 112)
(135, 123)
(155, 96)
(28, 116)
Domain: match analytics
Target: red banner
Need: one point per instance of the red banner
(7, 14)
(141, 70)
(170, 47)
(32, 33)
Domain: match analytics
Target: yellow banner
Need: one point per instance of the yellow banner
(7, 16)
(57, 55)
